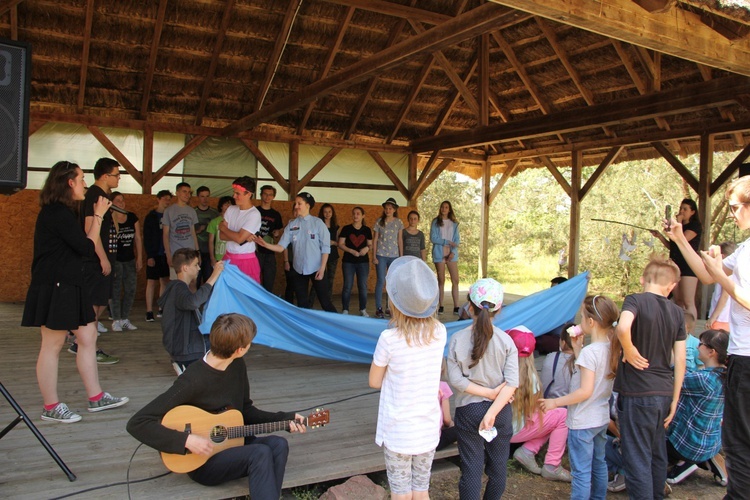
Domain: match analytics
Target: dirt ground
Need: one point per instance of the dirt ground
(522, 485)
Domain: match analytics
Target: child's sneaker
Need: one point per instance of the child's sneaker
(107, 402)
(719, 469)
(455, 311)
(679, 473)
(105, 359)
(527, 459)
(617, 484)
(379, 314)
(126, 325)
(60, 413)
(117, 325)
(100, 327)
(556, 473)
(150, 317)
(364, 314)
(388, 312)
(345, 311)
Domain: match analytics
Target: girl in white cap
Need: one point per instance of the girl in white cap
(406, 368)
(483, 368)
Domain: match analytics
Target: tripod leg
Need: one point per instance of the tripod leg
(22, 416)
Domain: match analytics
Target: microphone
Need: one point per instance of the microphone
(117, 209)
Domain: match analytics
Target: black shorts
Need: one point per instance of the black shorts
(159, 270)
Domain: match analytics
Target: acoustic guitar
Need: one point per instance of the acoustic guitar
(226, 430)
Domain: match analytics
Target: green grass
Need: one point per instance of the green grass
(525, 275)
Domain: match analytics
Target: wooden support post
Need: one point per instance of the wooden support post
(485, 221)
(148, 159)
(293, 169)
(704, 209)
(575, 212)
(412, 180)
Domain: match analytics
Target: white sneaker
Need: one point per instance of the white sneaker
(345, 311)
(117, 325)
(101, 328)
(127, 325)
(364, 314)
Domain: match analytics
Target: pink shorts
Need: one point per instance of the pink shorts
(246, 262)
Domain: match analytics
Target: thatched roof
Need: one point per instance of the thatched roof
(321, 70)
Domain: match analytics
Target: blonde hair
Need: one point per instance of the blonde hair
(416, 331)
(528, 392)
(661, 271)
(740, 187)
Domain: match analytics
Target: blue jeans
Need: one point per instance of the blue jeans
(613, 456)
(123, 284)
(362, 270)
(644, 444)
(382, 267)
(587, 464)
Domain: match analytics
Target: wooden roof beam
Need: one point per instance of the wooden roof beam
(415, 88)
(666, 33)
(149, 81)
(85, 56)
(728, 28)
(430, 178)
(606, 162)
(656, 6)
(684, 99)
(510, 169)
(278, 51)
(677, 165)
(482, 19)
(453, 100)
(263, 160)
(177, 158)
(388, 171)
(395, 10)
(729, 171)
(726, 113)
(556, 174)
(8, 4)
(116, 153)
(317, 168)
(327, 66)
(208, 82)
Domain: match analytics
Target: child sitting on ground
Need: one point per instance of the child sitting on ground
(692, 362)
(406, 368)
(531, 426)
(588, 401)
(694, 436)
(558, 367)
(181, 309)
(650, 327)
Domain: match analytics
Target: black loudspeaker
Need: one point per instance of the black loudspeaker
(15, 75)
(744, 169)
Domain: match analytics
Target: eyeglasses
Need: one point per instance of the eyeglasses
(705, 345)
(114, 175)
(733, 207)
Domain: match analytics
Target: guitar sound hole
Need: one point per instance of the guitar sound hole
(218, 434)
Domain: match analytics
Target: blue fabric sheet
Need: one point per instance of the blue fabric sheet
(353, 338)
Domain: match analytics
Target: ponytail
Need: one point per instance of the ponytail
(482, 331)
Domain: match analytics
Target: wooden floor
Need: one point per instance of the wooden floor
(98, 449)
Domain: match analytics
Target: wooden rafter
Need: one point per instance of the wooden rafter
(415, 88)
(521, 72)
(208, 82)
(434, 174)
(677, 165)
(482, 19)
(607, 161)
(148, 160)
(178, 157)
(729, 29)
(149, 80)
(329, 62)
(453, 100)
(85, 55)
(510, 169)
(484, 80)
(266, 163)
(626, 21)
(688, 98)
(6, 5)
(388, 171)
(395, 10)
(729, 171)
(425, 172)
(278, 51)
(318, 167)
(556, 174)
(116, 153)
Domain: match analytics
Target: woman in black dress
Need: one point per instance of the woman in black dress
(56, 300)
(684, 292)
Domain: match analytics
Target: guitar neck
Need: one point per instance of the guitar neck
(253, 429)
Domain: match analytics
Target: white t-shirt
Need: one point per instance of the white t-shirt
(409, 417)
(739, 316)
(724, 313)
(237, 219)
(593, 412)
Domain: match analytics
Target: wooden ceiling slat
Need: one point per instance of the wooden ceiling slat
(85, 55)
(278, 51)
(395, 10)
(208, 83)
(681, 100)
(327, 66)
(149, 80)
(473, 23)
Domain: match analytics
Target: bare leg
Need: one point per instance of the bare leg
(453, 271)
(86, 359)
(440, 268)
(685, 294)
(47, 364)
(150, 290)
(420, 495)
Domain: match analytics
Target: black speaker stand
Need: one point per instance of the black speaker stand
(22, 416)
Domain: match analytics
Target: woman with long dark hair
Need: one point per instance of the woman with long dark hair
(445, 240)
(328, 215)
(57, 300)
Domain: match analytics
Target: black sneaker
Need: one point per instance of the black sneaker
(379, 314)
(455, 311)
(679, 473)
(159, 313)
(719, 469)
(150, 316)
(440, 310)
(73, 348)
